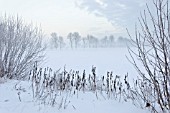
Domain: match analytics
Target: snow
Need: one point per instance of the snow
(104, 59)
(113, 59)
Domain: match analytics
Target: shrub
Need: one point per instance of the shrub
(20, 47)
(152, 41)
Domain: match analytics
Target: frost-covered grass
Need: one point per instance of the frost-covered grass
(17, 97)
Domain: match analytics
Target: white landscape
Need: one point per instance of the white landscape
(108, 59)
(84, 56)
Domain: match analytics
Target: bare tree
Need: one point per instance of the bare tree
(55, 40)
(77, 38)
(89, 40)
(93, 41)
(104, 41)
(61, 42)
(152, 42)
(70, 37)
(20, 47)
(74, 39)
(122, 41)
(84, 39)
(111, 40)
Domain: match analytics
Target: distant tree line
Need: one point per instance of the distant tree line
(75, 40)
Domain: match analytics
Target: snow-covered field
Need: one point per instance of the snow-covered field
(106, 59)
(114, 59)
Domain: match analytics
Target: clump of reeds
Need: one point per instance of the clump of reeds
(47, 84)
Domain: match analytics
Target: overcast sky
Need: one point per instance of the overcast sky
(96, 17)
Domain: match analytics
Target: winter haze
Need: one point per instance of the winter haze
(96, 17)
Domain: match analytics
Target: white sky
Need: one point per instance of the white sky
(96, 17)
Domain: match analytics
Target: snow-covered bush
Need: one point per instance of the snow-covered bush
(152, 42)
(20, 47)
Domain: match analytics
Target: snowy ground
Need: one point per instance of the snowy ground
(111, 59)
(21, 101)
